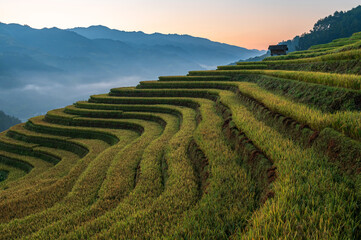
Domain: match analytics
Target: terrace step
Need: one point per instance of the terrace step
(194, 78)
(39, 139)
(239, 67)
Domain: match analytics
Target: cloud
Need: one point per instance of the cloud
(77, 88)
(38, 98)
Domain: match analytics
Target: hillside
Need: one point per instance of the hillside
(258, 150)
(339, 25)
(37, 66)
(7, 121)
(336, 26)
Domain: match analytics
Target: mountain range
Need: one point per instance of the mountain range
(37, 66)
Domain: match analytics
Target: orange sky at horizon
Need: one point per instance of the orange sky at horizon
(254, 25)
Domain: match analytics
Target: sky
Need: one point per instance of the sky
(252, 24)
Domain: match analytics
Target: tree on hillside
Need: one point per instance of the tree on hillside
(339, 25)
(7, 121)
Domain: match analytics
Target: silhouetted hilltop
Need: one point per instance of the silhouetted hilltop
(339, 25)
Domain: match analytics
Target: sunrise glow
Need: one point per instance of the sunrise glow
(250, 24)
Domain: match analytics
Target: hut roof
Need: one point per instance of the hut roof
(278, 47)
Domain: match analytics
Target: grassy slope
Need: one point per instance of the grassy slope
(258, 150)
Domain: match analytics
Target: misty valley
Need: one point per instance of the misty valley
(42, 69)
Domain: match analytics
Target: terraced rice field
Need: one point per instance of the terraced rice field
(258, 150)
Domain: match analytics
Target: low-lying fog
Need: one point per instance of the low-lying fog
(43, 69)
(42, 94)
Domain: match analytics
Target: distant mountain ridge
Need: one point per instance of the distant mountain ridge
(37, 66)
(195, 47)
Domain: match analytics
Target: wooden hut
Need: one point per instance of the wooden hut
(278, 49)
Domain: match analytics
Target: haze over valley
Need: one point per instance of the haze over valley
(41, 69)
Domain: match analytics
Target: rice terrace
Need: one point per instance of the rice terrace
(257, 150)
